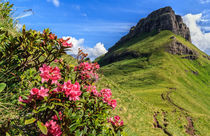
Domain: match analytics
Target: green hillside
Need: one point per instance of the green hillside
(159, 93)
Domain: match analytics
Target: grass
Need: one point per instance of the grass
(146, 78)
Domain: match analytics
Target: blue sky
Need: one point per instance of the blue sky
(104, 22)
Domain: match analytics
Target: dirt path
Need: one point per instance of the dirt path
(156, 123)
(190, 126)
(172, 103)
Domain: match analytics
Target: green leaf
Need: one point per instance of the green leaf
(42, 127)
(7, 134)
(73, 127)
(2, 86)
(94, 132)
(85, 129)
(35, 111)
(30, 121)
(118, 133)
(57, 114)
(79, 133)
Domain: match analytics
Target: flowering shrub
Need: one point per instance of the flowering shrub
(53, 100)
(69, 107)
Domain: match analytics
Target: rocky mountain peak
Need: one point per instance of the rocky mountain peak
(161, 19)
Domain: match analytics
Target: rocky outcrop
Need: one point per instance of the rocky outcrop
(176, 47)
(161, 19)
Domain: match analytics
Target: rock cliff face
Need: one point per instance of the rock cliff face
(175, 47)
(161, 19)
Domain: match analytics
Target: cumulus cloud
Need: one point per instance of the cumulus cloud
(93, 53)
(200, 38)
(55, 2)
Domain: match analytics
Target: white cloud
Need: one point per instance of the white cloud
(55, 2)
(24, 14)
(93, 53)
(96, 51)
(204, 1)
(200, 38)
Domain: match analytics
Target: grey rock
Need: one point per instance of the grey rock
(176, 47)
(161, 19)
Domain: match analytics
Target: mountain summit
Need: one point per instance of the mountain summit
(163, 79)
(161, 19)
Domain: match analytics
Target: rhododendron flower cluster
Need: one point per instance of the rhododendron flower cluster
(53, 129)
(116, 121)
(49, 73)
(92, 89)
(72, 90)
(65, 43)
(87, 70)
(62, 97)
(36, 94)
(107, 94)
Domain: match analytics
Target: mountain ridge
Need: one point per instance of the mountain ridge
(165, 72)
(161, 19)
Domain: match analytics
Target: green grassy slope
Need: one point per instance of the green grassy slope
(156, 81)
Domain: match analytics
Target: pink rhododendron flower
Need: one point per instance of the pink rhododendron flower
(45, 73)
(113, 103)
(92, 89)
(39, 93)
(116, 121)
(55, 74)
(49, 73)
(34, 91)
(66, 44)
(43, 92)
(117, 118)
(27, 100)
(106, 93)
(87, 70)
(53, 129)
(36, 94)
(121, 123)
(72, 90)
(24, 101)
